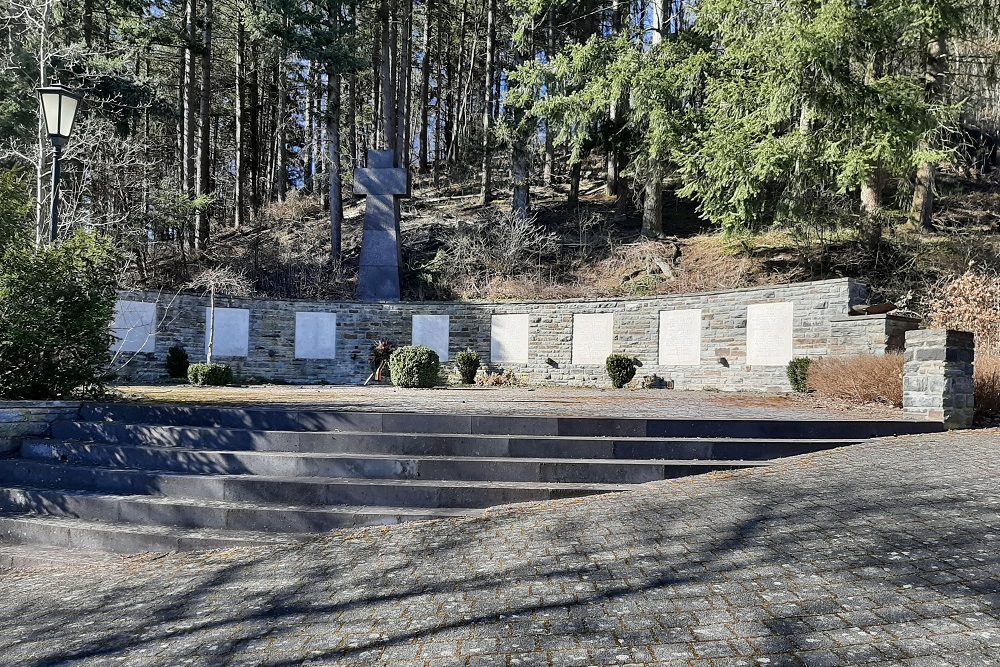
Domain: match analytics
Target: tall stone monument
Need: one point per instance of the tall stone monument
(383, 184)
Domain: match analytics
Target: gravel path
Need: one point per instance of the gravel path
(886, 553)
(563, 401)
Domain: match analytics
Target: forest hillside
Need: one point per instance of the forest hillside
(557, 149)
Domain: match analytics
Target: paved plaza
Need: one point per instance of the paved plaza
(885, 553)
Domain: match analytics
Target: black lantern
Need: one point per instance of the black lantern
(59, 106)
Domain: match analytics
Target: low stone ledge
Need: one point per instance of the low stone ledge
(26, 419)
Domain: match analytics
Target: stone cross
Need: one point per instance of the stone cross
(383, 184)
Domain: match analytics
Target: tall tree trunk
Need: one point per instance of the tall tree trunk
(616, 113)
(333, 137)
(403, 85)
(352, 121)
(240, 212)
(190, 103)
(922, 208)
(309, 130)
(281, 142)
(488, 89)
(520, 161)
(652, 202)
(550, 150)
(388, 91)
(425, 85)
(254, 137)
(205, 127)
(574, 182)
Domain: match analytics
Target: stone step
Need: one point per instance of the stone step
(209, 514)
(370, 466)
(443, 444)
(292, 490)
(43, 557)
(297, 418)
(76, 533)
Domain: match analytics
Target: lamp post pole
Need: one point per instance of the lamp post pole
(54, 222)
(58, 108)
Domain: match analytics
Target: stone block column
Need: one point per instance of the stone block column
(937, 375)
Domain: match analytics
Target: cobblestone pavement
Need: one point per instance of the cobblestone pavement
(886, 553)
(649, 403)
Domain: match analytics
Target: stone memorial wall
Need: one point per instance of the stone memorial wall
(729, 340)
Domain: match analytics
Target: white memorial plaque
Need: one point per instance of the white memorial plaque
(315, 335)
(592, 338)
(134, 327)
(432, 331)
(232, 332)
(769, 334)
(680, 337)
(509, 338)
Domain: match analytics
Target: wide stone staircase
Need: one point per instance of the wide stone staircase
(131, 478)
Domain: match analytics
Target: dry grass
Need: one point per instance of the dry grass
(970, 302)
(863, 378)
(869, 378)
(987, 385)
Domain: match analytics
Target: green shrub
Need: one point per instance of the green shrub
(798, 373)
(177, 362)
(414, 366)
(215, 375)
(621, 369)
(56, 307)
(467, 363)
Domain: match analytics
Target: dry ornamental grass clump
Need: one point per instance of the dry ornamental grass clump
(987, 385)
(970, 302)
(862, 378)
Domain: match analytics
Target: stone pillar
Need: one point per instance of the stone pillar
(937, 375)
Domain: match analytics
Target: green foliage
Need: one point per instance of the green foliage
(414, 366)
(798, 373)
(621, 369)
(467, 362)
(14, 210)
(214, 375)
(803, 103)
(177, 362)
(56, 307)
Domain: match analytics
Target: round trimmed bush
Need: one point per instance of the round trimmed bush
(798, 373)
(215, 375)
(467, 363)
(414, 366)
(621, 369)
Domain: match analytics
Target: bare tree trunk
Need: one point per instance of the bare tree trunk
(333, 82)
(281, 142)
(652, 203)
(425, 84)
(388, 48)
(550, 150)
(574, 182)
(240, 217)
(403, 85)
(190, 106)
(205, 128)
(491, 55)
(922, 208)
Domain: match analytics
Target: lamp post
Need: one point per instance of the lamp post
(59, 110)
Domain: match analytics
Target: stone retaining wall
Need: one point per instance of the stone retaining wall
(819, 326)
(21, 419)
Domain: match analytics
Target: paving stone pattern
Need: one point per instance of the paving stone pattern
(635, 331)
(883, 554)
